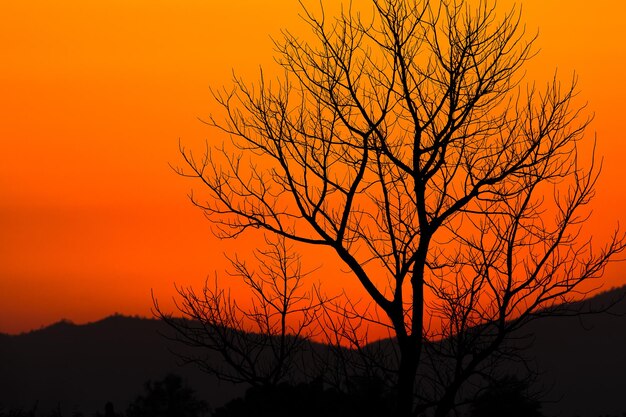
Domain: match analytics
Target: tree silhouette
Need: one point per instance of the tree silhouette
(167, 398)
(401, 139)
(259, 345)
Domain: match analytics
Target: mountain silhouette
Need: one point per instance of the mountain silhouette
(581, 361)
(82, 367)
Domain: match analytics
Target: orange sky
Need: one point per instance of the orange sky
(94, 96)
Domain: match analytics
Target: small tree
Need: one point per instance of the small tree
(400, 139)
(261, 344)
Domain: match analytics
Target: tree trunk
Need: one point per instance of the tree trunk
(406, 376)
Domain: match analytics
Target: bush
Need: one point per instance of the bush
(506, 397)
(167, 398)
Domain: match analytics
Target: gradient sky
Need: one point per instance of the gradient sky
(94, 96)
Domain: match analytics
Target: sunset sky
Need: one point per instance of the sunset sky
(95, 96)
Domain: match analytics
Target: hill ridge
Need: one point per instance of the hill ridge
(82, 366)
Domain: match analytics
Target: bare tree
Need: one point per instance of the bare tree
(403, 140)
(260, 344)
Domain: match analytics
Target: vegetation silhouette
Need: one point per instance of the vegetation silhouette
(260, 345)
(17, 413)
(590, 389)
(309, 400)
(167, 398)
(109, 410)
(506, 396)
(401, 141)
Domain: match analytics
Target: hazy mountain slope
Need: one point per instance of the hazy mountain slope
(83, 367)
(582, 360)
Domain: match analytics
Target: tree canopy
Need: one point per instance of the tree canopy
(406, 140)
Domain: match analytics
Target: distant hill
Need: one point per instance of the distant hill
(580, 360)
(584, 358)
(81, 367)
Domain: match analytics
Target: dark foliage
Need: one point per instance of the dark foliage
(33, 412)
(506, 396)
(167, 398)
(366, 398)
(16, 413)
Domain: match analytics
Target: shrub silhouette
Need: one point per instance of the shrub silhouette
(109, 411)
(506, 396)
(365, 398)
(167, 398)
(16, 413)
